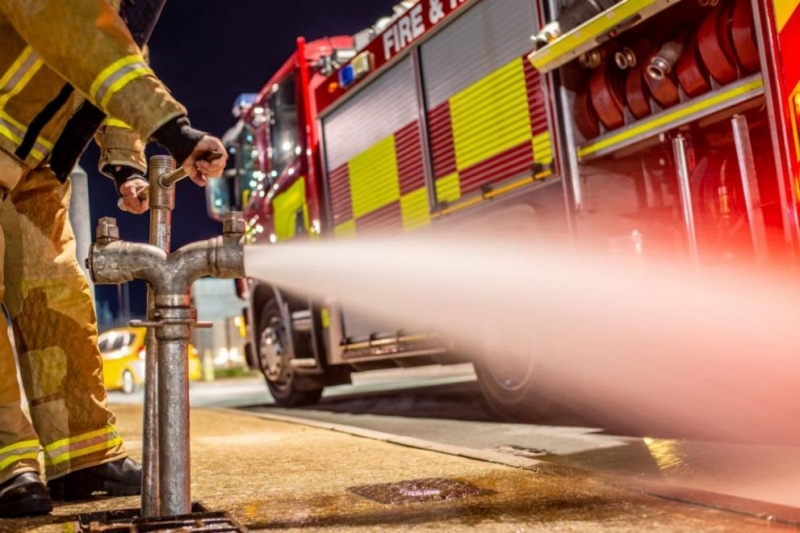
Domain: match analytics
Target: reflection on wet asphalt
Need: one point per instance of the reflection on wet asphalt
(456, 415)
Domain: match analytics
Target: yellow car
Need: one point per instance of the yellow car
(123, 351)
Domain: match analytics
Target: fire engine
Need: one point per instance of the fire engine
(642, 127)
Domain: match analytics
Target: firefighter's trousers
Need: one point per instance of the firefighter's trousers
(55, 330)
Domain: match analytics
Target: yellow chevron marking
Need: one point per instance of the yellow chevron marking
(491, 115)
(286, 205)
(542, 149)
(345, 229)
(783, 11)
(374, 178)
(415, 209)
(448, 189)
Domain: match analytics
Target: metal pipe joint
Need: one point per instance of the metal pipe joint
(112, 261)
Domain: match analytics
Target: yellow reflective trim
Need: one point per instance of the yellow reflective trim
(10, 135)
(19, 445)
(491, 115)
(22, 445)
(415, 209)
(16, 458)
(783, 11)
(374, 180)
(37, 154)
(448, 189)
(110, 70)
(326, 317)
(16, 65)
(66, 456)
(345, 229)
(591, 30)
(80, 438)
(23, 81)
(666, 118)
(7, 133)
(17, 124)
(16, 139)
(122, 82)
(116, 123)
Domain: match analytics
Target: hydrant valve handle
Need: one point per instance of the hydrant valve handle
(168, 180)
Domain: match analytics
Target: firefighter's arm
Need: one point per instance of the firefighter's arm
(122, 159)
(88, 44)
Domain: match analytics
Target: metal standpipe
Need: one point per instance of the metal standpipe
(162, 202)
(167, 473)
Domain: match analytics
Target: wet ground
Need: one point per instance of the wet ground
(273, 475)
(455, 414)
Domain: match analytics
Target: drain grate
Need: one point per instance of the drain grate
(418, 490)
(130, 521)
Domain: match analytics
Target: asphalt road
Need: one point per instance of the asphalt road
(444, 405)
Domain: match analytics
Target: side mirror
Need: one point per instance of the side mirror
(218, 197)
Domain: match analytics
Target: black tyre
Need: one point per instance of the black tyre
(274, 354)
(509, 386)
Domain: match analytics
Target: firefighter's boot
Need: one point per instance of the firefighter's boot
(24, 495)
(120, 478)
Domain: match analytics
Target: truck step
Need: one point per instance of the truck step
(301, 321)
(303, 364)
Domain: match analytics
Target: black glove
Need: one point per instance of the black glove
(121, 174)
(178, 137)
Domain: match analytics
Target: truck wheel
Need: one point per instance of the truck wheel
(274, 354)
(508, 384)
(128, 382)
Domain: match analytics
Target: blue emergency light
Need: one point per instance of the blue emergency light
(347, 76)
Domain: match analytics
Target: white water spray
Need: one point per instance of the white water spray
(714, 356)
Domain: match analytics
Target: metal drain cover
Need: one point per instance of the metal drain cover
(130, 521)
(418, 490)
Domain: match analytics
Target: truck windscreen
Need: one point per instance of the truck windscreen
(283, 128)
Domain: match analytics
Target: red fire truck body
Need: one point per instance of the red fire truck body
(635, 126)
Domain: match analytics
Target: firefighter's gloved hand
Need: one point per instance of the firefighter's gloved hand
(187, 145)
(131, 186)
(134, 196)
(200, 170)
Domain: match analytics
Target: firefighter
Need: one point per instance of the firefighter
(54, 56)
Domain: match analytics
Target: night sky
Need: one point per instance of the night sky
(207, 57)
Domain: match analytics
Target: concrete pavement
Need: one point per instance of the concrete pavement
(275, 474)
